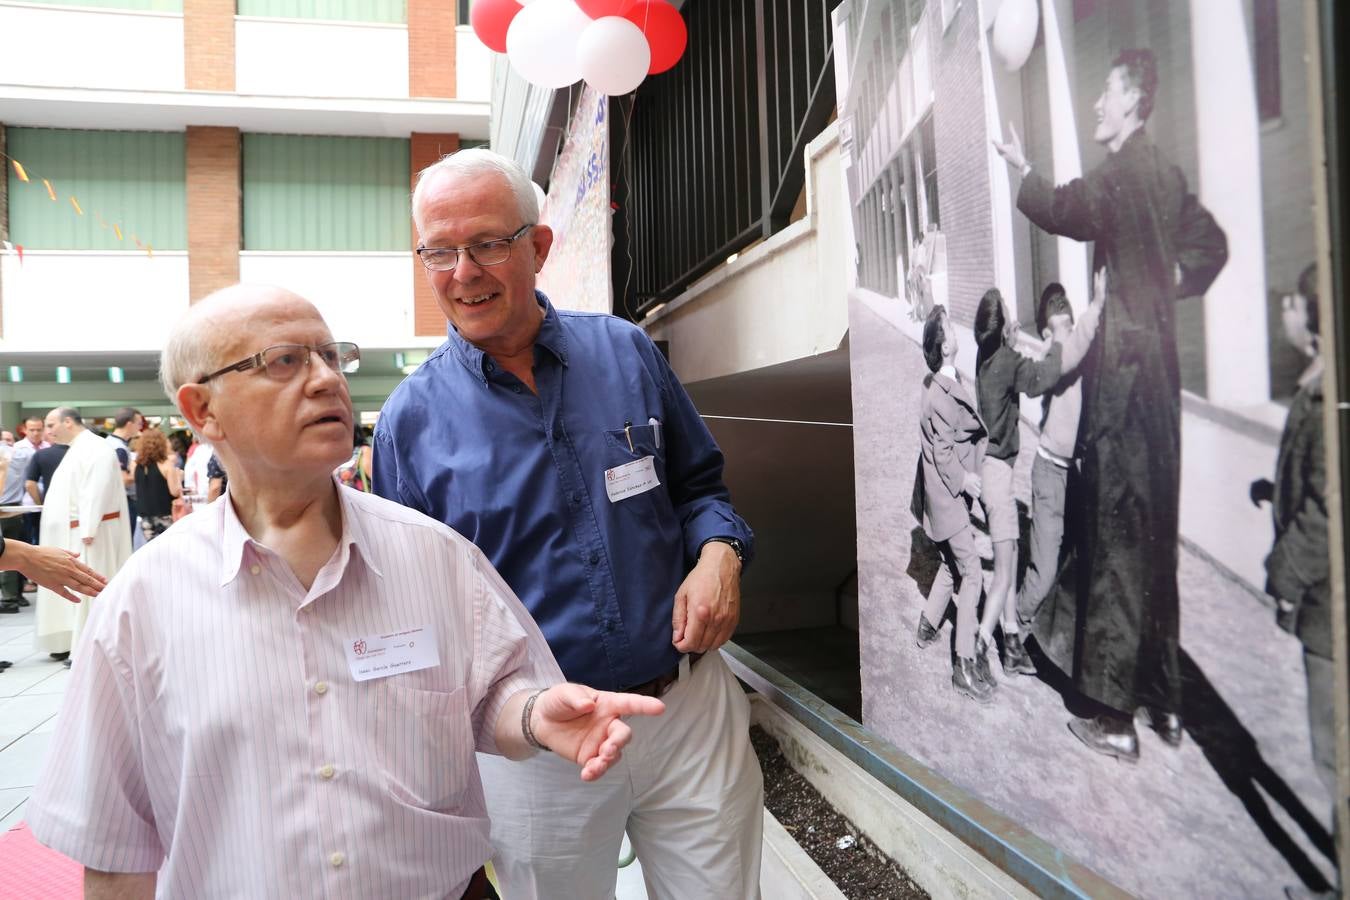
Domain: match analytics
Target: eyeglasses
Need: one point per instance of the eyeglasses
(283, 361)
(486, 253)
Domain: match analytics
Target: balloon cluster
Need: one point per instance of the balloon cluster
(612, 44)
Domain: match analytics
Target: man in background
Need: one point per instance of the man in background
(127, 425)
(84, 511)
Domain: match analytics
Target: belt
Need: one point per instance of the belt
(1051, 456)
(662, 683)
(107, 517)
(478, 888)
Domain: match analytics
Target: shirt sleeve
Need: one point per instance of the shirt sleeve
(694, 468)
(1035, 377)
(510, 653)
(91, 802)
(1082, 209)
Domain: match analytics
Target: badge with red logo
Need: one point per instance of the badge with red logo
(382, 655)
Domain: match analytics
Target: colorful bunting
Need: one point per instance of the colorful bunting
(23, 176)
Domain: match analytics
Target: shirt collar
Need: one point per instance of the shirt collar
(234, 539)
(551, 337)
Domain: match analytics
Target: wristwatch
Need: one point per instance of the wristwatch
(731, 542)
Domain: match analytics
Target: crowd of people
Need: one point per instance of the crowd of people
(429, 632)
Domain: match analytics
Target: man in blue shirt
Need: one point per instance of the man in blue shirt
(563, 445)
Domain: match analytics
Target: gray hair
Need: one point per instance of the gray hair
(480, 161)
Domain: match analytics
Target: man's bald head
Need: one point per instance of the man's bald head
(214, 325)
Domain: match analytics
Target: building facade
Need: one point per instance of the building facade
(190, 144)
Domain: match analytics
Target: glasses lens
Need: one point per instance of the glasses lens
(283, 362)
(348, 357)
(490, 253)
(438, 260)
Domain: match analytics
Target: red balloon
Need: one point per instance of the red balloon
(490, 19)
(665, 30)
(598, 8)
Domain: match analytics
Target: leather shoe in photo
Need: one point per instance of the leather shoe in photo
(1166, 724)
(926, 633)
(9, 606)
(982, 662)
(1109, 736)
(966, 679)
(1015, 656)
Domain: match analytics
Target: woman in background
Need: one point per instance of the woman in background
(158, 482)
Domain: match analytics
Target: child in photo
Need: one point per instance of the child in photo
(1055, 449)
(952, 440)
(1298, 569)
(1001, 374)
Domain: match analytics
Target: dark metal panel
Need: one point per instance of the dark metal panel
(714, 158)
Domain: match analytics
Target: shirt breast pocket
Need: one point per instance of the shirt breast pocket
(646, 440)
(425, 746)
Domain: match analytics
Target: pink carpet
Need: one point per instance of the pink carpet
(30, 871)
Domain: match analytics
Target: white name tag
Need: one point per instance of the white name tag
(630, 479)
(382, 655)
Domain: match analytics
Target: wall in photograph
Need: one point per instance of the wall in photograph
(576, 275)
(1149, 538)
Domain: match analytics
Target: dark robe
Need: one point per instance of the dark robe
(1114, 620)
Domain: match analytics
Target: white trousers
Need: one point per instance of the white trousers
(688, 791)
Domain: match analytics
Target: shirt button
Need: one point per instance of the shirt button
(557, 432)
(327, 772)
(516, 389)
(255, 569)
(337, 859)
(595, 558)
(576, 498)
(320, 687)
(489, 366)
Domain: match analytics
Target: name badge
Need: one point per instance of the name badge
(630, 479)
(382, 655)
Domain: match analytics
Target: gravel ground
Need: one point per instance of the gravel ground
(848, 858)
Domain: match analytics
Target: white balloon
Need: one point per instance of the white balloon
(613, 55)
(542, 42)
(1015, 29)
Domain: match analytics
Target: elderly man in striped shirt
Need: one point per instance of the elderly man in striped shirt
(282, 697)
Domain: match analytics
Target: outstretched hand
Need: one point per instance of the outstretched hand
(59, 571)
(1012, 150)
(584, 725)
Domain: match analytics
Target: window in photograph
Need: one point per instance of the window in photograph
(1266, 53)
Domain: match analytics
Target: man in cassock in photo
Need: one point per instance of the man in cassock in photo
(1115, 620)
(84, 511)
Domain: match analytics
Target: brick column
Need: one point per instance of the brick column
(213, 209)
(425, 149)
(208, 45)
(431, 48)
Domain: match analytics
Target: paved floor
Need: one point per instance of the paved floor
(30, 698)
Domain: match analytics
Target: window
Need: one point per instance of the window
(132, 182)
(928, 163)
(393, 12)
(1266, 53)
(307, 192)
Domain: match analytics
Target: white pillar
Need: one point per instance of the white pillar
(1237, 349)
(1001, 201)
(1067, 158)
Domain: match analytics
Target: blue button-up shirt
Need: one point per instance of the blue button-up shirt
(523, 477)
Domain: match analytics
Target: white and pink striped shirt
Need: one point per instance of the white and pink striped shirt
(213, 730)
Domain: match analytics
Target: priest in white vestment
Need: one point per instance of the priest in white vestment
(84, 511)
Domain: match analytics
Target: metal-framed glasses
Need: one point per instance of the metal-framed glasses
(283, 362)
(485, 253)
